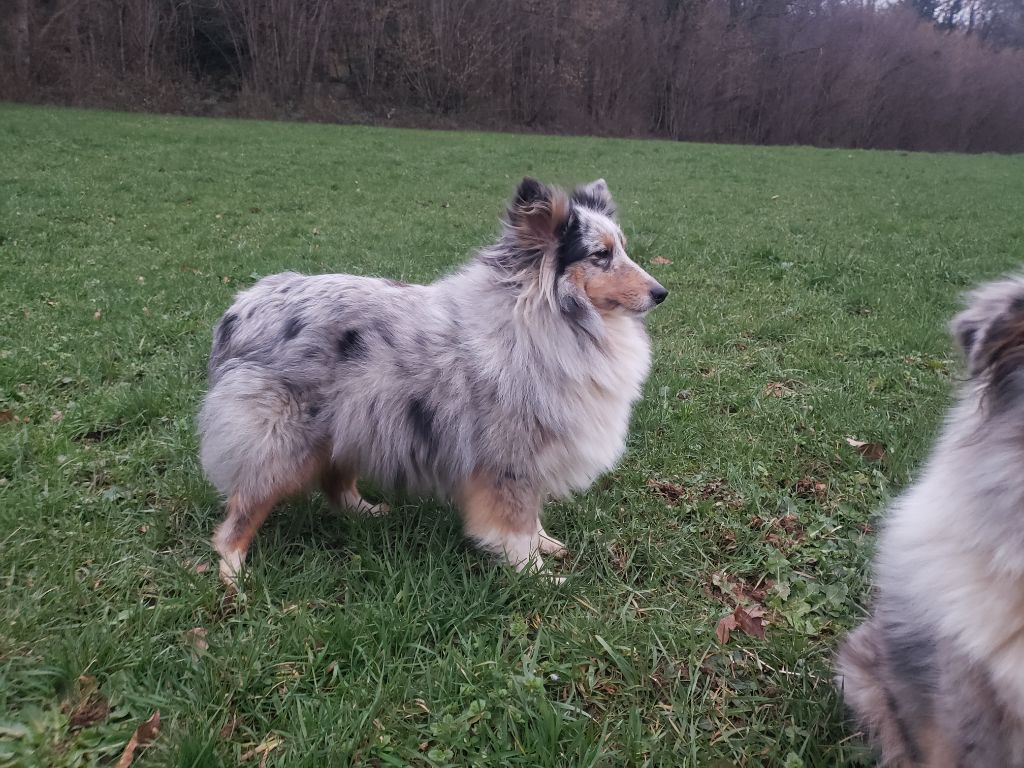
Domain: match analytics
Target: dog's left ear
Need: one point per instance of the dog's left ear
(596, 196)
(537, 215)
(966, 328)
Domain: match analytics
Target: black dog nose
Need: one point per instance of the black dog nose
(658, 294)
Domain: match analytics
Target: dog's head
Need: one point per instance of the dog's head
(990, 331)
(577, 250)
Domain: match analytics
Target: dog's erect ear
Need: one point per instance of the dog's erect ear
(537, 215)
(990, 329)
(596, 196)
(530, 191)
(965, 328)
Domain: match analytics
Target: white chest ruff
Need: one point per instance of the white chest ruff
(599, 413)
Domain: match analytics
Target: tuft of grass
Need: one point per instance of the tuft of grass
(809, 293)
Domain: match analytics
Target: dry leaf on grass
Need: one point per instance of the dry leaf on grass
(98, 314)
(6, 416)
(726, 625)
(268, 745)
(660, 260)
(90, 706)
(809, 488)
(228, 730)
(778, 389)
(870, 451)
(201, 567)
(143, 735)
(749, 620)
(670, 492)
(196, 637)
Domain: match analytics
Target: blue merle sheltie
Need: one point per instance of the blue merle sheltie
(498, 386)
(935, 676)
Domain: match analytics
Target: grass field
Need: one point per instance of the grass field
(809, 295)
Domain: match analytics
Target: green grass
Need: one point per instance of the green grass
(390, 642)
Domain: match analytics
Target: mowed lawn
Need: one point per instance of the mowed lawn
(809, 295)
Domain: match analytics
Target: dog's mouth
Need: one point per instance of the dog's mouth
(613, 307)
(656, 294)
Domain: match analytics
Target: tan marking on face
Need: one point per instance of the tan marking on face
(608, 241)
(623, 285)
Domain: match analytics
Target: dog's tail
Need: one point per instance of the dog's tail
(258, 431)
(863, 678)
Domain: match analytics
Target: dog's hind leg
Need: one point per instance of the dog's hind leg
(232, 538)
(339, 486)
(503, 517)
(260, 441)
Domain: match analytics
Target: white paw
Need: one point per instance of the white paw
(549, 545)
(356, 503)
(230, 568)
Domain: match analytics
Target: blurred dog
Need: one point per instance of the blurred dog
(936, 675)
(504, 383)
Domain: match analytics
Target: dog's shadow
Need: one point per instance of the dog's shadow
(418, 545)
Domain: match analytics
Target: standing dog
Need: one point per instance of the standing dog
(499, 385)
(936, 675)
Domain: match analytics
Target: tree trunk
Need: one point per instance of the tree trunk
(22, 43)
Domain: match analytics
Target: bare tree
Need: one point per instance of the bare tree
(930, 74)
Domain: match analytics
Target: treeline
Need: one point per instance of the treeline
(923, 76)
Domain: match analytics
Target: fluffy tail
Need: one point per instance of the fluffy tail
(863, 678)
(259, 433)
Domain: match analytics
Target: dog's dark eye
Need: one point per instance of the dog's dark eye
(603, 258)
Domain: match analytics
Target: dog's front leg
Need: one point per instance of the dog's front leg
(502, 515)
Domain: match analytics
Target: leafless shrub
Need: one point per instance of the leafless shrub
(825, 72)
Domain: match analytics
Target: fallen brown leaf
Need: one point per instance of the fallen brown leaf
(143, 735)
(618, 557)
(670, 492)
(778, 389)
(726, 625)
(712, 490)
(870, 451)
(228, 730)
(196, 637)
(268, 745)
(660, 260)
(791, 524)
(808, 488)
(6, 416)
(749, 620)
(730, 589)
(202, 567)
(89, 707)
